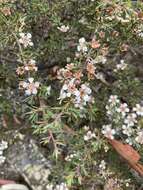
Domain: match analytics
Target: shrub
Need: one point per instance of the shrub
(71, 68)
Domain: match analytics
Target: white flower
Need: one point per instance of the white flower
(49, 90)
(82, 45)
(104, 60)
(89, 136)
(86, 128)
(138, 109)
(63, 28)
(102, 165)
(62, 186)
(106, 148)
(1, 152)
(121, 66)
(2, 159)
(114, 99)
(108, 131)
(122, 20)
(85, 89)
(3, 145)
(100, 59)
(70, 157)
(25, 39)
(139, 138)
(140, 34)
(82, 96)
(68, 59)
(123, 109)
(129, 141)
(130, 120)
(49, 187)
(127, 130)
(31, 87)
(68, 89)
(63, 95)
(31, 66)
(82, 40)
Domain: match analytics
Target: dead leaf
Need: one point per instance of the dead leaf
(126, 151)
(129, 154)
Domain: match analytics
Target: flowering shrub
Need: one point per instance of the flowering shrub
(70, 68)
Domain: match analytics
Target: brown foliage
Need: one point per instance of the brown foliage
(131, 156)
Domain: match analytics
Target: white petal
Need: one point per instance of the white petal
(31, 43)
(34, 91)
(24, 84)
(21, 34)
(36, 84)
(31, 80)
(28, 92)
(29, 35)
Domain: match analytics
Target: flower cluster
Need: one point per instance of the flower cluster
(30, 86)
(70, 157)
(29, 67)
(124, 120)
(82, 47)
(25, 39)
(108, 131)
(89, 135)
(121, 66)
(80, 93)
(63, 28)
(3, 146)
(61, 186)
(102, 165)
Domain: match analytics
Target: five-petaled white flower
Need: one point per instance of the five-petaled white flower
(31, 65)
(130, 120)
(89, 135)
(127, 130)
(108, 131)
(113, 99)
(121, 66)
(63, 28)
(139, 138)
(30, 86)
(138, 109)
(25, 39)
(82, 45)
(123, 109)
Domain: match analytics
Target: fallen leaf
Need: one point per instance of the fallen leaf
(129, 154)
(126, 151)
